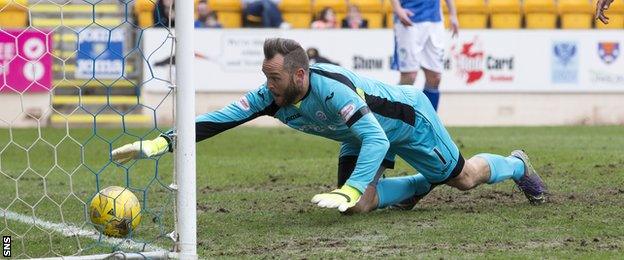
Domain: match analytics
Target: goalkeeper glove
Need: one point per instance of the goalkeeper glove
(343, 198)
(140, 150)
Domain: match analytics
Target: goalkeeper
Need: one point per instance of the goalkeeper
(374, 122)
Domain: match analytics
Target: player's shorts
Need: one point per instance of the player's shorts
(419, 45)
(430, 149)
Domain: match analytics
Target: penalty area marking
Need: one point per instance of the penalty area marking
(69, 230)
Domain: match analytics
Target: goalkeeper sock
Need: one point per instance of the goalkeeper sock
(433, 94)
(393, 190)
(502, 168)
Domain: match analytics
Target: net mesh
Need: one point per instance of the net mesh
(71, 92)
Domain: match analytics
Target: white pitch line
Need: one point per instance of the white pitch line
(69, 230)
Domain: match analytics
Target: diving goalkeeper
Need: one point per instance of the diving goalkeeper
(374, 123)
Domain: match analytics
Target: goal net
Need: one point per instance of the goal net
(71, 90)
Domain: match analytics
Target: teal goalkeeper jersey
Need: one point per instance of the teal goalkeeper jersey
(339, 105)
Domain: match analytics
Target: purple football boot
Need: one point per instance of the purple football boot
(531, 184)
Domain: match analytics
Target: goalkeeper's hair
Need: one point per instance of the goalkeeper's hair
(295, 56)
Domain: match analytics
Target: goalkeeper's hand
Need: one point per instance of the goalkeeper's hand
(343, 198)
(140, 150)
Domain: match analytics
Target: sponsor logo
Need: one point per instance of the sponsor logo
(606, 78)
(500, 68)
(347, 111)
(243, 103)
(565, 62)
(472, 63)
(469, 61)
(317, 128)
(292, 117)
(321, 116)
(608, 51)
(100, 54)
(362, 63)
(564, 52)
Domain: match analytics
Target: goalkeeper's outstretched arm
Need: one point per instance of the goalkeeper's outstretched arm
(253, 104)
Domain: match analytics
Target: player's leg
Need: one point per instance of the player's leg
(390, 191)
(408, 43)
(402, 192)
(348, 158)
(431, 89)
(487, 168)
(434, 154)
(492, 168)
(482, 168)
(387, 191)
(431, 60)
(408, 78)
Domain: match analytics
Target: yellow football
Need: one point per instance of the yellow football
(115, 211)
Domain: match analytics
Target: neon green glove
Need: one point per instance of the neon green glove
(342, 198)
(140, 150)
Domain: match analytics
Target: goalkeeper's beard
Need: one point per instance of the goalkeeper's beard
(291, 93)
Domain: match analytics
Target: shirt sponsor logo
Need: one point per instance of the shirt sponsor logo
(608, 51)
(565, 62)
(292, 117)
(321, 116)
(347, 111)
(317, 128)
(243, 103)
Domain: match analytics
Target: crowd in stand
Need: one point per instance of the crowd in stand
(259, 13)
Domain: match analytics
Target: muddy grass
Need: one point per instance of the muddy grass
(255, 203)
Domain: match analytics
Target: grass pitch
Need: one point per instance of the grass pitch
(254, 187)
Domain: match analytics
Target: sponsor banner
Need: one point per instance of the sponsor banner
(25, 61)
(100, 54)
(565, 62)
(607, 64)
(476, 61)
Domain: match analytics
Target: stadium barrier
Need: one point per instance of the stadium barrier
(490, 77)
(476, 61)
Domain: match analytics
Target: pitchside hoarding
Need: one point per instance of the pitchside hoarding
(25, 61)
(477, 60)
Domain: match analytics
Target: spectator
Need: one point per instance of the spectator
(354, 19)
(315, 57)
(162, 13)
(326, 19)
(206, 18)
(212, 21)
(262, 13)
